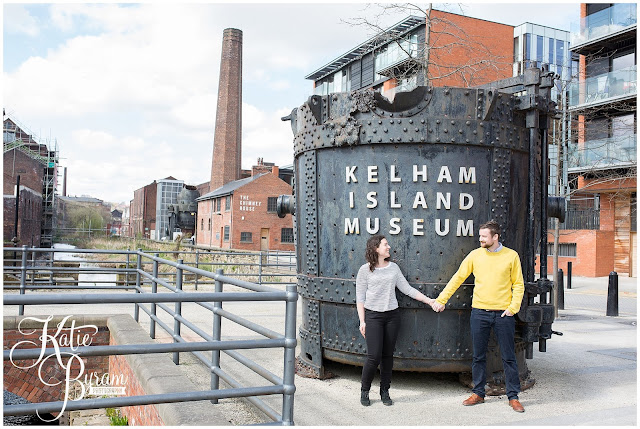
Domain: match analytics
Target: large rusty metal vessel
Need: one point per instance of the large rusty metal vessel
(425, 170)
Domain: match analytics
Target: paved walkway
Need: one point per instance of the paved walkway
(588, 376)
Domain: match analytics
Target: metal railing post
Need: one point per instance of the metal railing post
(217, 327)
(33, 264)
(260, 269)
(569, 266)
(176, 322)
(126, 275)
(136, 311)
(560, 275)
(23, 278)
(154, 289)
(289, 355)
(612, 294)
(197, 260)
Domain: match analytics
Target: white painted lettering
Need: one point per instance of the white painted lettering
(417, 173)
(351, 227)
(373, 201)
(394, 176)
(420, 200)
(466, 201)
(418, 226)
(439, 230)
(464, 230)
(350, 174)
(443, 200)
(394, 224)
(372, 174)
(467, 175)
(394, 203)
(444, 174)
(375, 228)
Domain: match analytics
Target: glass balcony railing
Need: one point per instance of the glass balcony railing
(606, 153)
(603, 87)
(602, 23)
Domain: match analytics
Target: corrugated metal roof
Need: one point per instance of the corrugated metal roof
(228, 188)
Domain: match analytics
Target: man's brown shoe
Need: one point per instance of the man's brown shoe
(473, 400)
(516, 405)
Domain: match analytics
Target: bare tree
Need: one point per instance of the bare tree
(450, 54)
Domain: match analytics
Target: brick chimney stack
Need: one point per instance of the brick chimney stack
(227, 142)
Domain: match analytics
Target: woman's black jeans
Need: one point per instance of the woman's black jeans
(381, 334)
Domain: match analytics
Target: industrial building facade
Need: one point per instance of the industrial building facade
(242, 214)
(36, 166)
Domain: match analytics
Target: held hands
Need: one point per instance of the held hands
(436, 306)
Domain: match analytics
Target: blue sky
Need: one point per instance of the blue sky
(128, 91)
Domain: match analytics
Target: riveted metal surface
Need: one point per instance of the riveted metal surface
(307, 207)
(337, 290)
(425, 171)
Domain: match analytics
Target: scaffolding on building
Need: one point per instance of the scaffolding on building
(16, 136)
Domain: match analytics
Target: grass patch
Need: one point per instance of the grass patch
(116, 418)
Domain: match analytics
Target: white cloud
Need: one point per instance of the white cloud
(18, 20)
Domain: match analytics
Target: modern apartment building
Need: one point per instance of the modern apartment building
(462, 51)
(601, 226)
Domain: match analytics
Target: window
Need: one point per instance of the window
(202, 224)
(226, 233)
(634, 216)
(286, 235)
(272, 204)
(527, 46)
(246, 237)
(227, 203)
(217, 205)
(516, 49)
(559, 52)
(564, 249)
(209, 224)
(623, 61)
(551, 46)
(539, 48)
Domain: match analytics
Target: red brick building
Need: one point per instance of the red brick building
(142, 211)
(36, 166)
(242, 214)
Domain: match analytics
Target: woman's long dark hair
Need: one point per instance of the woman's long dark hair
(370, 253)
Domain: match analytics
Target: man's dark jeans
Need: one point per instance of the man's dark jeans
(482, 321)
(381, 334)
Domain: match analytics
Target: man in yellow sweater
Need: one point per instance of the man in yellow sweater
(497, 296)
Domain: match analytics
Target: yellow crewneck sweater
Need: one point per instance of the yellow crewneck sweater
(499, 284)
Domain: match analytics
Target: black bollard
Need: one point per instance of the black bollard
(612, 294)
(560, 289)
(569, 265)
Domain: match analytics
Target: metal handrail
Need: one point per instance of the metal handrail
(211, 301)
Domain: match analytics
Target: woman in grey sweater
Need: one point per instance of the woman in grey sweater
(379, 314)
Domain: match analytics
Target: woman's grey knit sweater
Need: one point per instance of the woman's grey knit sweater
(377, 289)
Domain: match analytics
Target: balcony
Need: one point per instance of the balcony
(610, 23)
(606, 88)
(603, 154)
